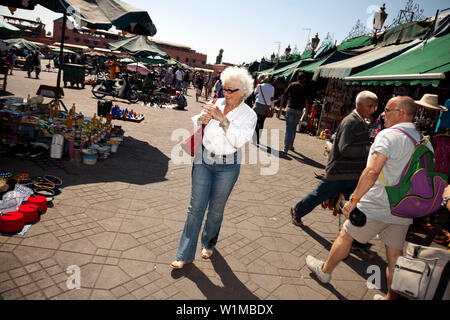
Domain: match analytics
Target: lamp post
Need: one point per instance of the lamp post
(378, 20)
(315, 42)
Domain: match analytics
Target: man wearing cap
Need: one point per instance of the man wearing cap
(389, 154)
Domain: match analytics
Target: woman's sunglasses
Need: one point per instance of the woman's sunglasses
(230, 90)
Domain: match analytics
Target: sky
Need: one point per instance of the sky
(248, 30)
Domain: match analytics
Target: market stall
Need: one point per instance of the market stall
(30, 128)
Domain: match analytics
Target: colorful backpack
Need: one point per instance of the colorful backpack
(419, 191)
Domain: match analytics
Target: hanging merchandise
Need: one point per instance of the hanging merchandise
(56, 150)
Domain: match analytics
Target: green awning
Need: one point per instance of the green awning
(7, 29)
(283, 69)
(137, 46)
(324, 50)
(355, 43)
(406, 32)
(364, 61)
(22, 44)
(310, 66)
(96, 14)
(306, 55)
(424, 65)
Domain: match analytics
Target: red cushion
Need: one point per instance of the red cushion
(12, 222)
(30, 212)
(39, 201)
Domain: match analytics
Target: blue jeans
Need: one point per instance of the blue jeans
(324, 191)
(292, 118)
(211, 186)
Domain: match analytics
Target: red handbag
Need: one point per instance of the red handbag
(191, 144)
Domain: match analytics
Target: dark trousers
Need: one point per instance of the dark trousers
(259, 126)
(324, 191)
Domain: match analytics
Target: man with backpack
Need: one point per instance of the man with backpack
(389, 154)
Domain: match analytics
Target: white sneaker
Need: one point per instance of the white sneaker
(378, 297)
(315, 266)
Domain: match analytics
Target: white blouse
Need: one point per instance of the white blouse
(242, 127)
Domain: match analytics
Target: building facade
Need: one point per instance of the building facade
(79, 39)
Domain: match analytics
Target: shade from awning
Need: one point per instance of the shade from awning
(424, 65)
(361, 62)
(139, 46)
(355, 43)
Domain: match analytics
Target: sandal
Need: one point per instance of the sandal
(295, 221)
(206, 254)
(177, 264)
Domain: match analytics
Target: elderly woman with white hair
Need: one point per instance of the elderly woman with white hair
(229, 125)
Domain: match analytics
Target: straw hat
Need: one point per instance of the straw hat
(430, 101)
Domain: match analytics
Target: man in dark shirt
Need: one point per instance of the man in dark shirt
(298, 98)
(347, 158)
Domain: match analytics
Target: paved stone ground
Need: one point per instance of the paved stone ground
(120, 221)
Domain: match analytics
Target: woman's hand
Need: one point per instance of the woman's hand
(214, 112)
(205, 118)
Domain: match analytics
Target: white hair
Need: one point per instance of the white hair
(365, 95)
(241, 76)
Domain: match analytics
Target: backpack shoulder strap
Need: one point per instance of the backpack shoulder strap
(416, 143)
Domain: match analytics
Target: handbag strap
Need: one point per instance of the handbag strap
(262, 93)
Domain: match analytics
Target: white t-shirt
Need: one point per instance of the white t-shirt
(242, 126)
(179, 75)
(268, 90)
(398, 148)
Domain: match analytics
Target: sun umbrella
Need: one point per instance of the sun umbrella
(96, 14)
(57, 50)
(8, 29)
(21, 44)
(138, 46)
(126, 60)
(139, 68)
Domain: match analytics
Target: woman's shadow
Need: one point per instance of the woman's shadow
(233, 288)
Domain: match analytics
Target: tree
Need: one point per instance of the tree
(359, 29)
(412, 12)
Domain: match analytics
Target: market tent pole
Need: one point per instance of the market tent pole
(63, 35)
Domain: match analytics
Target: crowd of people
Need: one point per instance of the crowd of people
(353, 169)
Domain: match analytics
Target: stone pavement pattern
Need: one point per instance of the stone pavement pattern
(120, 221)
